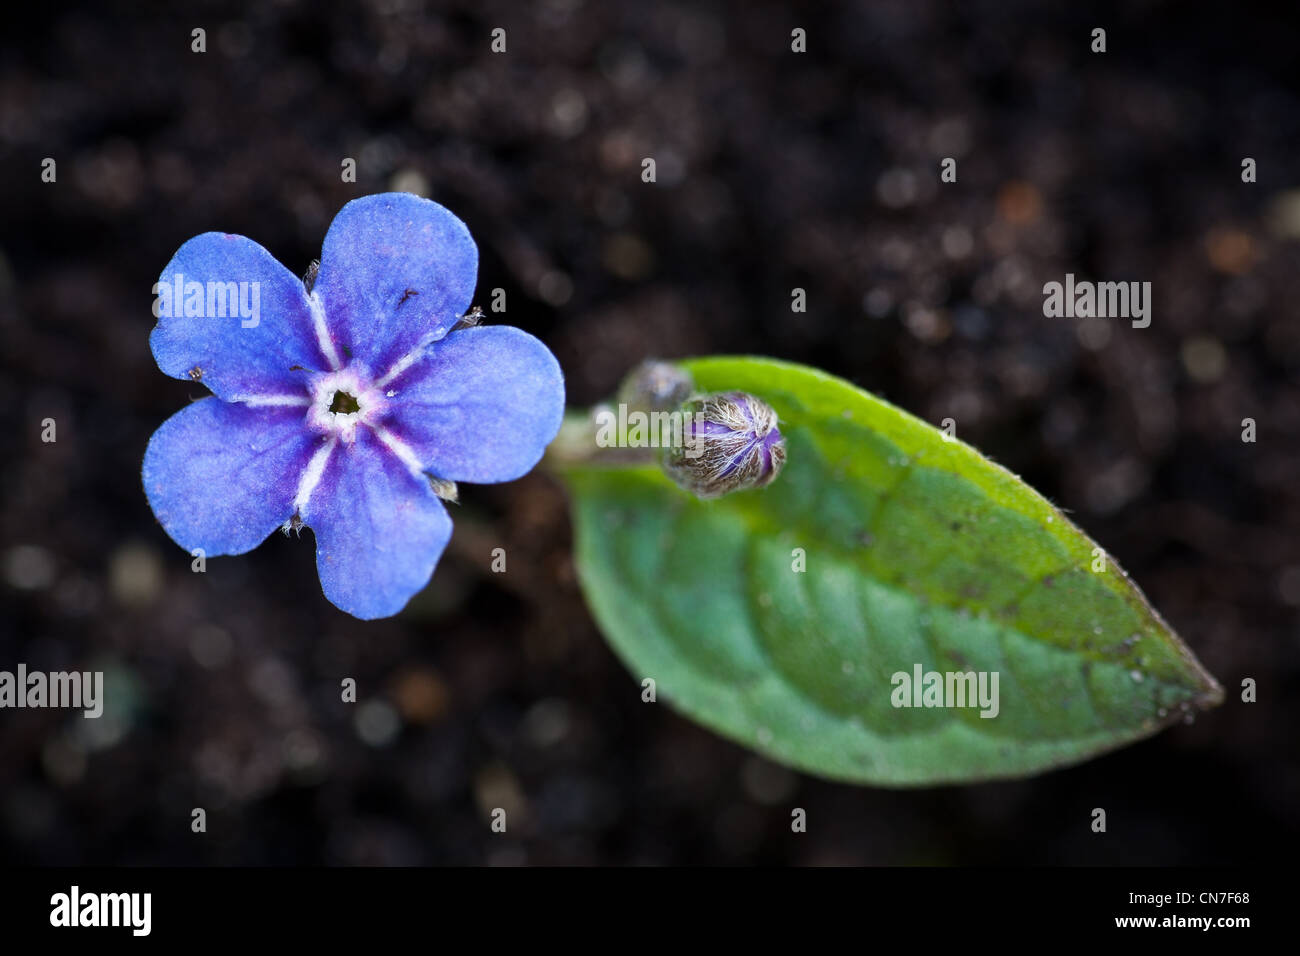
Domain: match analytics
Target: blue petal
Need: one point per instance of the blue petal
(222, 477)
(379, 529)
(396, 269)
(482, 406)
(236, 357)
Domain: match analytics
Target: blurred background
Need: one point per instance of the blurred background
(775, 170)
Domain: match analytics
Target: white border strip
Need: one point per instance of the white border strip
(406, 361)
(311, 476)
(402, 450)
(323, 332)
(268, 401)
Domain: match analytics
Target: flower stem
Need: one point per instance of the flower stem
(576, 446)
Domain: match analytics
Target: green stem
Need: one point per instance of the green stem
(576, 446)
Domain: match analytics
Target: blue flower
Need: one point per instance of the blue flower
(345, 403)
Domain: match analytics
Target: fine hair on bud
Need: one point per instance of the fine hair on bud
(730, 443)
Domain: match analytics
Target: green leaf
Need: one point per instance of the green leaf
(918, 552)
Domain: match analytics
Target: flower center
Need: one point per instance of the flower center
(344, 404)
(343, 400)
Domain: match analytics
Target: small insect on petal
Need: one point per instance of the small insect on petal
(446, 490)
(470, 319)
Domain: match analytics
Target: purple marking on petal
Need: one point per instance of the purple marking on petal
(740, 456)
(770, 440)
(742, 400)
(708, 429)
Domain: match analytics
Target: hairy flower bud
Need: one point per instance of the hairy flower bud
(730, 443)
